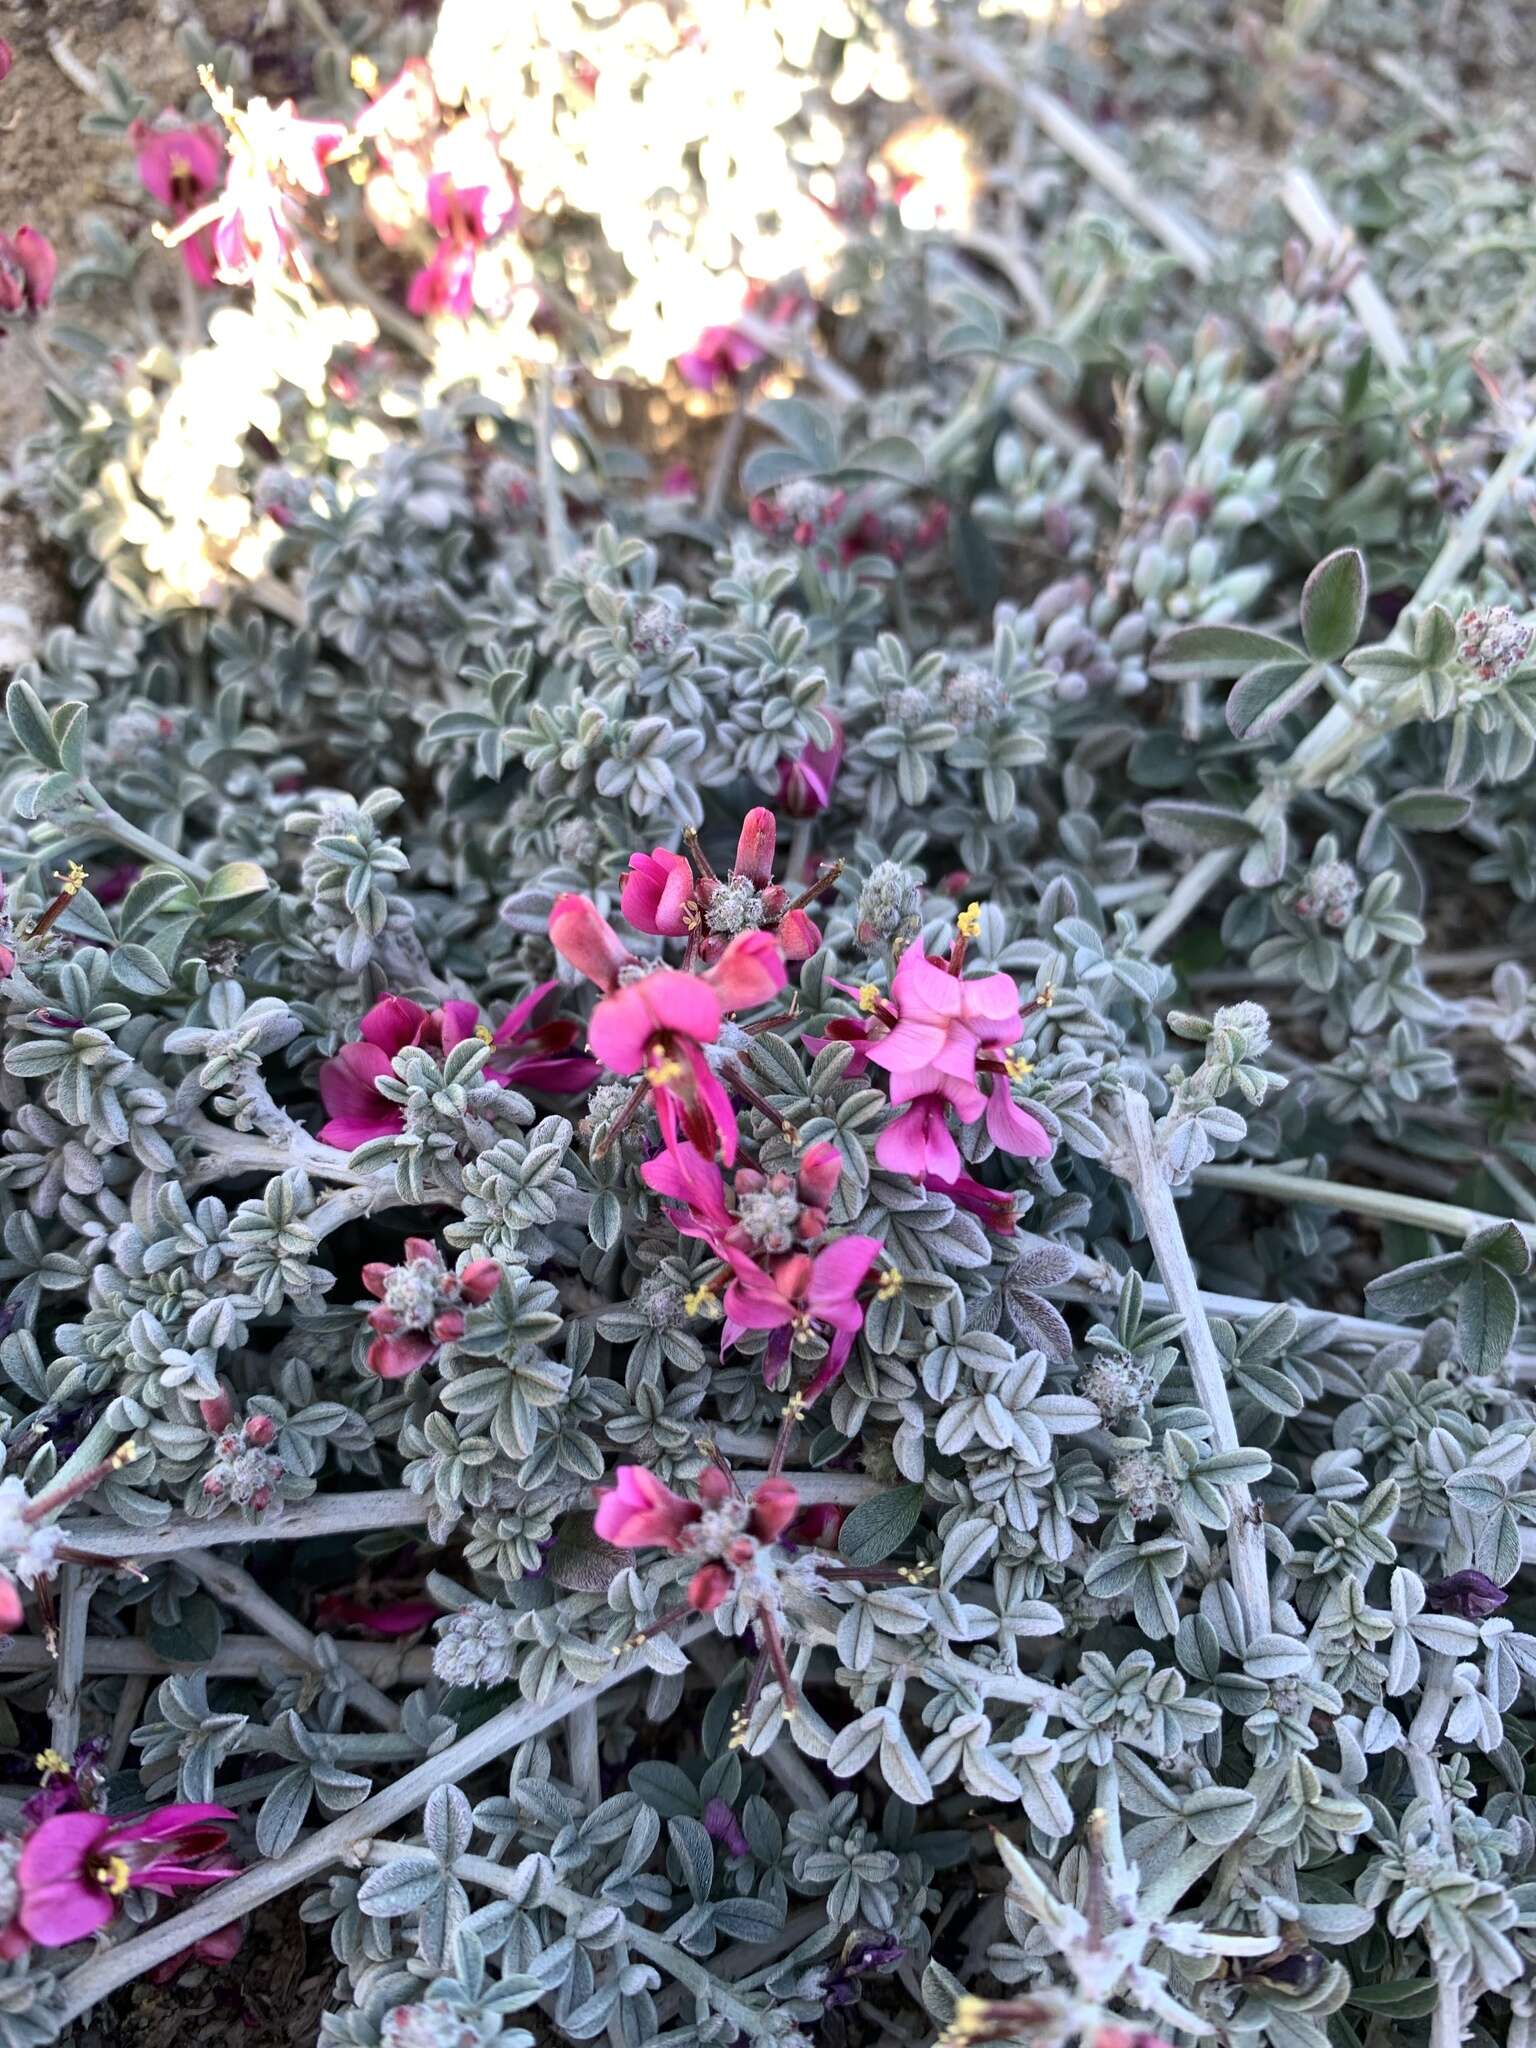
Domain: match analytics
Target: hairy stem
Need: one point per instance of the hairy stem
(1149, 1182)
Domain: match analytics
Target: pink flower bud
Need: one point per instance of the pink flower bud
(259, 1431)
(479, 1280)
(580, 933)
(216, 1411)
(755, 847)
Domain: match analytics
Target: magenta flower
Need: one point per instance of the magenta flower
(801, 1290)
(276, 159)
(465, 220)
(7, 59)
(718, 357)
(384, 1622)
(421, 1306)
(28, 267)
(76, 1867)
(657, 1025)
(676, 896)
(181, 167)
(356, 1112)
(995, 1208)
(1471, 1594)
(722, 1826)
(949, 1034)
(805, 783)
(641, 1510)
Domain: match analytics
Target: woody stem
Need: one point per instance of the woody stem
(760, 1103)
(823, 882)
(773, 1643)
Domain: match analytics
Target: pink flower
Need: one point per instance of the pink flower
(950, 1033)
(942, 1022)
(679, 481)
(28, 267)
(404, 114)
(7, 59)
(805, 783)
(422, 1306)
(75, 1868)
(356, 1112)
(394, 1618)
(659, 1025)
(801, 510)
(657, 893)
(672, 895)
(222, 1946)
(180, 167)
(920, 1143)
(580, 933)
(801, 1290)
(641, 1510)
(718, 357)
(465, 219)
(275, 159)
(995, 1208)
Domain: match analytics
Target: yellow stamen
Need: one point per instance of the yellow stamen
(869, 995)
(358, 170)
(794, 1408)
(701, 1302)
(891, 1282)
(50, 1764)
(125, 1454)
(365, 73)
(72, 883)
(113, 1875)
(1016, 1066)
(968, 923)
(662, 1071)
(1047, 995)
(485, 1034)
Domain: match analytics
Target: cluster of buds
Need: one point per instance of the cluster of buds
(774, 1278)
(245, 1471)
(775, 1212)
(1328, 893)
(421, 1306)
(1494, 642)
(798, 511)
(899, 533)
(758, 1550)
(673, 895)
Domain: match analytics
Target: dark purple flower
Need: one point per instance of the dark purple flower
(860, 1959)
(1472, 1595)
(721, 1825)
